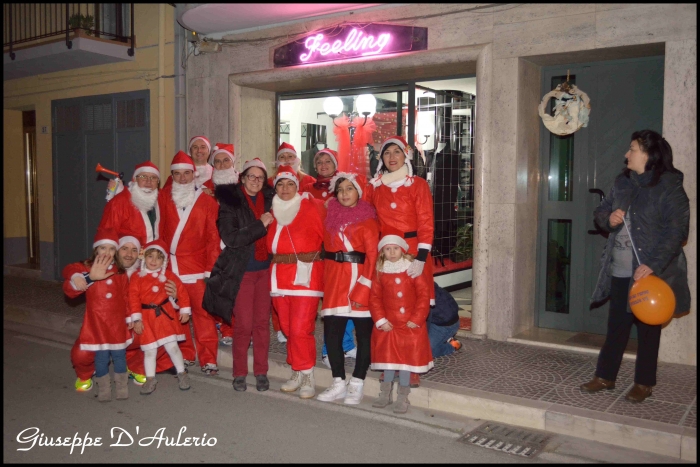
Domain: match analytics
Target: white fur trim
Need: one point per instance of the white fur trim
(286, 175)
(381, 322)
(96, 347)
(105, 241)
(136, 317)
(392, 240)
(424, 246)
(283, 150)
(184, 216)
(286, 211)
(186, 310)
(254, 163)
(396, 267)
(129, 239)
(183, 166)
(364, 281)
(400, 367)
(159, 342)
(350, 176)
(147, 169)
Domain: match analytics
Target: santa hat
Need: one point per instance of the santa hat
(286, 172)
(392, 237)
(146, 167)
(285, 147)
(400, 142)
(203, 138)
(254, 163)
(330, 152)
(129, 239)
(182, 161)
(358, 180)
(222, 148)
(106, 237)
(159, 245)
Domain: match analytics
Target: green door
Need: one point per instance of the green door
(626, 95)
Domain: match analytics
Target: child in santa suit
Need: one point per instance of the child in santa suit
(155, 314)
(105, 329)
(399, 305)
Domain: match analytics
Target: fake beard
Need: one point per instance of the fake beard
(224, 176)
(286, 211)
(143, 198)
(183, 195)
(295, 165)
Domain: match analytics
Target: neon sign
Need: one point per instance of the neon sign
(351, 41)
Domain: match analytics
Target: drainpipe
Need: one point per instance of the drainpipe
(161, 86)
(180, 86)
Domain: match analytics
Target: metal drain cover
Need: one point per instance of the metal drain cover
(513, 440)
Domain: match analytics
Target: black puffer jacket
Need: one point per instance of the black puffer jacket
(659, 224)
(239, 230)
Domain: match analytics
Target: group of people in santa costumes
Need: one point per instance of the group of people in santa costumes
(338, 212)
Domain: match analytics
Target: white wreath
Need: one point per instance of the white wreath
(571, 110)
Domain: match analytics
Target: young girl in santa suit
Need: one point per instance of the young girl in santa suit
(399, 305)
(350, 242)
(105, 330)
(155, 314)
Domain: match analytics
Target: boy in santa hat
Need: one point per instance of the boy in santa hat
(105, 328)
(287, 156)
(199, 152)
(154, 313)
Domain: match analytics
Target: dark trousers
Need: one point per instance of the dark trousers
(619, 326)
(333, 332)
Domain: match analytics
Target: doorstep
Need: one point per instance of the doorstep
(562, 340)
(643, 435)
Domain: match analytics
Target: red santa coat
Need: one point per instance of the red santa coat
(407, 206)
(122, 216)
(398, 298)
(191, 234)
(106, 316)
(308, 187)
(306, 231)
(148, 289)
(350, 282)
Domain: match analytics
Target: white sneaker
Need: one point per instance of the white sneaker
(352, 353)
(336, 391)
(325, 361)
(227, 340)
(354, 391)
(308, 384)
(293, 383)
(280, 337)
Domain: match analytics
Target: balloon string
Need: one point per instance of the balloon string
(634, 248)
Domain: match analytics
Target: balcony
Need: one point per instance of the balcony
(50, 37)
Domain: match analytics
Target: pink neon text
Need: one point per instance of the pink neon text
(354, 42)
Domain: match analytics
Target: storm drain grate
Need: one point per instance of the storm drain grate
(513, 440)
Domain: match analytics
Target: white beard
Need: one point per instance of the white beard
(183, 195)
(286, 211)
(224, 176)
(295, 165)
(143, 198)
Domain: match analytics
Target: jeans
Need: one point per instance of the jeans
(102, 361)
(438, 336)
(348, 339)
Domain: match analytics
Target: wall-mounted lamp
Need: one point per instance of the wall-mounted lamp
(426, 124)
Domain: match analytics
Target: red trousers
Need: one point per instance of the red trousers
(205, 337)
(252, 311)
(84, 360)
(226, 330)
(275, 319)
(298, 320)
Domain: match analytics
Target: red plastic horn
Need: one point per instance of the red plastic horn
(99, 168)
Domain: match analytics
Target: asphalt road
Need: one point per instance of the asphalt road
(40, 404)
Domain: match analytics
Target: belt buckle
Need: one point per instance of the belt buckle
(339, 257)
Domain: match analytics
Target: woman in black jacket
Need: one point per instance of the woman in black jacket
(649, 198)
(240, 282)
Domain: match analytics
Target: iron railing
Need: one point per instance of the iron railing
(24, 23)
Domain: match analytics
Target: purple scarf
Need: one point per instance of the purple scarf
(339, 215)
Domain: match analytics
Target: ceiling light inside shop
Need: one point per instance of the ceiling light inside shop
(366, 104)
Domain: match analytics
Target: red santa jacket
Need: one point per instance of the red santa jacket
(148, 289)
(122, 216)
(106, 315)
(407, 206)
(191, 235)
(349, 282)
(398, 298)
(306, 231)
(308, 187)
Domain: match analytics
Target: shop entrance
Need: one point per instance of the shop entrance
(626, 96)
(436, 118)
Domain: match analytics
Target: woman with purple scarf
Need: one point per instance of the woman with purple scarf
(351, 234)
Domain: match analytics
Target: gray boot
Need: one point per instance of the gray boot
(149, 386)
(121, 381)
(402, 401)
(384, 398)
(183, 380)
(104, 388)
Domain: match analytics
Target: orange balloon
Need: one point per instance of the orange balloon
(652, 301)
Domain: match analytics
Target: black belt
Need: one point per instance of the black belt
(345, 256)
(413, 234)
(158, 308)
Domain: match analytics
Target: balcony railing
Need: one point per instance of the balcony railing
(27, 23)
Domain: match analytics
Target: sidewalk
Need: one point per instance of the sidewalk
(503, 382)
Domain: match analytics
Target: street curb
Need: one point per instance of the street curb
(643, 435)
